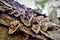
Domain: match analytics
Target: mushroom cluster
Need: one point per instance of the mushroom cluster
(30, 22)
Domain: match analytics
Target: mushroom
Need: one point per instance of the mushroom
(16, 13)
(13, 27)
(35, 28)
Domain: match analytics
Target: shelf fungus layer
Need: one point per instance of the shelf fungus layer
(19, 17)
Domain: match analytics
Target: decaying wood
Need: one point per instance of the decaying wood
(24, 29)
(42, 25)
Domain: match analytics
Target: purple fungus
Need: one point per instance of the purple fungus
(10, 2)
(26, 14)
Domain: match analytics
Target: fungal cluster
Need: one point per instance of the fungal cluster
(27, 20)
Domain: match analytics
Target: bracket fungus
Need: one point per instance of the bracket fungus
(32, 24)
